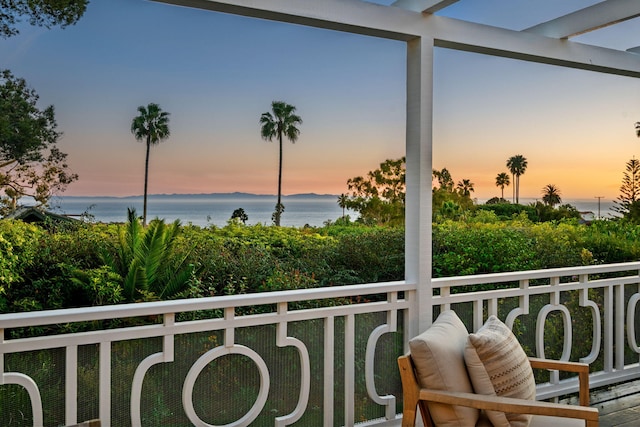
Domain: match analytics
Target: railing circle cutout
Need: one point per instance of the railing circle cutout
(202, 362)
(631, 324)
(540, 323)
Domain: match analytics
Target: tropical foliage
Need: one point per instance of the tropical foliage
(151, 125)
(94, 264)
(449, 202)
(280, 121)
(379, 197)
(534, 212)
(146, 260)
(31, 164)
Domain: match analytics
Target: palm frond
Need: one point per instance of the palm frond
(135, 280)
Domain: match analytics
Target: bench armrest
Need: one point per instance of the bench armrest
(582, 369)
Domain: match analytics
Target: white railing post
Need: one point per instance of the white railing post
(71, 384)
(619, 327)
(608, 328)
(105, 383)
(329, 351)
(349, 369)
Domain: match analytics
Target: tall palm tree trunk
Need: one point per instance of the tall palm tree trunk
(279, 204)
(513, 189)
(146, 180)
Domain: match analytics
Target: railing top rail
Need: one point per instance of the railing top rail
(71, 315)
(513, 276)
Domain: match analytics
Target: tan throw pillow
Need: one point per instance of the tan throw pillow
(438, 355)
(498, 365)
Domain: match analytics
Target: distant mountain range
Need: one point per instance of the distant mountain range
(235, 195)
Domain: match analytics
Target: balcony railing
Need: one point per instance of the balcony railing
(322, 357)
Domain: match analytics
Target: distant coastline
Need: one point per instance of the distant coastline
(207, 208)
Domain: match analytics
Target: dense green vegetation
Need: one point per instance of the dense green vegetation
(94, 264)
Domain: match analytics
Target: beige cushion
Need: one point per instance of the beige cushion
(438, 355)
(544, 421)
(497, 365)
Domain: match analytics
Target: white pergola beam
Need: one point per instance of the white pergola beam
(370, 19)
(591, 18)
(352, 16)
(425, 6)
(467, 36)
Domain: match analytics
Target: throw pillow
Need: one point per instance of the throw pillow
(498, 365)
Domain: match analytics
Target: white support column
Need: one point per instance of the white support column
(418, 180)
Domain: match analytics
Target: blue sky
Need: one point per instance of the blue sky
(217, 73)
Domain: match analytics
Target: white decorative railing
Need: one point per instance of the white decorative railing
(608, 294)
(229, 323)
(613, 316)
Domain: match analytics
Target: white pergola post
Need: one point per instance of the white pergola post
(419, 166)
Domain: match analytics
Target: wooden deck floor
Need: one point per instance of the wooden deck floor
(622, 412)
(619, 407)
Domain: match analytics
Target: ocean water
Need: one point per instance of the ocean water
(216, 209)
(205, 210)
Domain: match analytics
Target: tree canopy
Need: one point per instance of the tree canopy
(42, 13)
(380, 196)
(450, 202)
(628, 202)
(30, 162)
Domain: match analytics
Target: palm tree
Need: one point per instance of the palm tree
(151, 126)
(147, 260)
(517, 165)
(342, 202)
(502, 180)
(282, 120)
(551, 195)
(465, 187)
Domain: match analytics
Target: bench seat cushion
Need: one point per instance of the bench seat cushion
(438, 356)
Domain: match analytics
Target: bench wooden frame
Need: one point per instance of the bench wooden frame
(415, 397)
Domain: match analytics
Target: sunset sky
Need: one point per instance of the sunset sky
(215, 74)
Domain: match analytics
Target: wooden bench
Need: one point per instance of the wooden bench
(545, 413)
